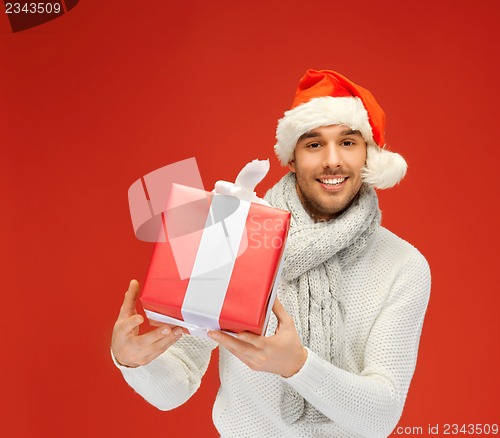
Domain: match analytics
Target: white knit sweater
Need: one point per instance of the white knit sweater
(385, 294)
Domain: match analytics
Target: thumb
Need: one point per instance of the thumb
(128, 306)
(280, 311)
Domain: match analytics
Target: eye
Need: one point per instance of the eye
(347, 143)
(314, 145)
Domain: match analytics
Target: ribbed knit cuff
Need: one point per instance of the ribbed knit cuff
(311, 375)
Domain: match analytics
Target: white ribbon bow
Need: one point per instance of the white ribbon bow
(243, 187)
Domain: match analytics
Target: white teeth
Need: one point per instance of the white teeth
(332, 181)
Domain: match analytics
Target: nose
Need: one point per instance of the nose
(332, 156)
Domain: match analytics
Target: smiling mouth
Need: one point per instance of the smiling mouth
(332, 181)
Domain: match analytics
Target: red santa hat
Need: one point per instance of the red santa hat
(324, 98)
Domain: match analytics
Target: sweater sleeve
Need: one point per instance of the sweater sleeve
(370, 403)
(173, 377)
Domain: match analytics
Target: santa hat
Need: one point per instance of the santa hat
(325, 98)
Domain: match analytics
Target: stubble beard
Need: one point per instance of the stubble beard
(318, 210)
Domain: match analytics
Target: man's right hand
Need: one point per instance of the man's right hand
(131, 349)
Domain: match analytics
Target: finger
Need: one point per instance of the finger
(280, 311)
(174, 327)
(129, 324)
(236, 346)
(251, 338)
(244, 351)
(166, 340)
(159, 348)
(128, 306)
(160, 334)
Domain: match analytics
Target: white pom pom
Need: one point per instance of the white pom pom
(384, 169)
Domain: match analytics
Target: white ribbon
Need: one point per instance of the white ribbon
(243, 187)
(214, 265)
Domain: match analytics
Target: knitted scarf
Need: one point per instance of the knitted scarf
(311, 280)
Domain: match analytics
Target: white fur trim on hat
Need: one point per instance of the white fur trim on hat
(320, 111)
(383, 168)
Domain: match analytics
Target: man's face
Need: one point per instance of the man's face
(327, 163)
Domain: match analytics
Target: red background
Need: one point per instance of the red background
(112, 90)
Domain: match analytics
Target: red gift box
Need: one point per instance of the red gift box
(220, 265)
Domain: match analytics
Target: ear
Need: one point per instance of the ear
(291, 164)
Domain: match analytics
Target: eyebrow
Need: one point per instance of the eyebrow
(312, 134)
(309, 134)
(351, 132)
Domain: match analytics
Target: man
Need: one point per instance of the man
(341, 347)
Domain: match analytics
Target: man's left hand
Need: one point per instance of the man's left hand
(282, 353)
